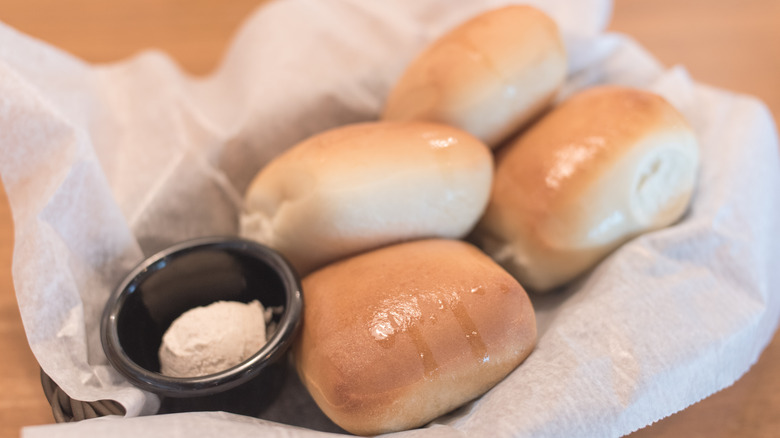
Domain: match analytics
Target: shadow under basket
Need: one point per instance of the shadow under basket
(66, 409)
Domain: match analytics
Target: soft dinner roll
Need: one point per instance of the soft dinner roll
(363, 186)
(396, 337)
(606, 165)
(488, 76)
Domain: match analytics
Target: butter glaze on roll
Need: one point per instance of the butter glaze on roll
(362, 186)
(395, 337)
(488, 76)
(605, 166)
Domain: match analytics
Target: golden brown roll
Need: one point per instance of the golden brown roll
(606, 165)
(488, 76)
(395, 337)
(362, 186)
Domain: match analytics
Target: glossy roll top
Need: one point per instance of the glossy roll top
(362, 186)
(606, 165)
(395, 337)
(488, 76)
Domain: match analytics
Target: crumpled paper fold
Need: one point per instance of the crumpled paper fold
(106, 164)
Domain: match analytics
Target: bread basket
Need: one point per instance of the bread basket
(65, 409)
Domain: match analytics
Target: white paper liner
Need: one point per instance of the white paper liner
(106, 164)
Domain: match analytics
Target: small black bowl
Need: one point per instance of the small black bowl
(188, 275)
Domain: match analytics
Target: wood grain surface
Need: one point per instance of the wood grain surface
(733, 44)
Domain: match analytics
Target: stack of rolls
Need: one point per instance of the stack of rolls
(403, 321)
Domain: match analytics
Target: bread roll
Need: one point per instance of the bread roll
(363, 186)
(395, 337)
(606, 165)
(488, 76)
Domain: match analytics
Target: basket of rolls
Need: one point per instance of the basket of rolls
(517, 226)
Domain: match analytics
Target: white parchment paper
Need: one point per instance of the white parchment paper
(106, 164)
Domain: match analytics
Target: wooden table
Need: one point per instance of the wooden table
(734, 44)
